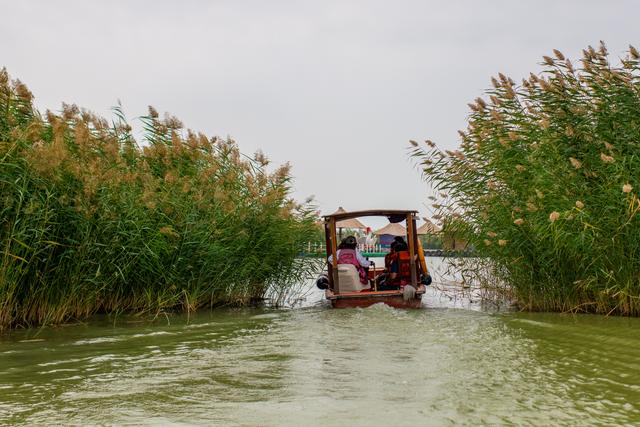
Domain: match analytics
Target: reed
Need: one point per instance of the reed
(545, 183)
(91, 221)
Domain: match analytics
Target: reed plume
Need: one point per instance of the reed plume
(94, 220)
(563, 146)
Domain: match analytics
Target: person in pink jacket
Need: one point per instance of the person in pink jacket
(349, 254)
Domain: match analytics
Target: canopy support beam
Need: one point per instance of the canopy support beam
(411, 234)
(334, 255)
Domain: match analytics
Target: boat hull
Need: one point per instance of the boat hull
(365, 299)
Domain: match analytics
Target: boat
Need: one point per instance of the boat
(342, 284)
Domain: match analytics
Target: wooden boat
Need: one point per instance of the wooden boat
(349, 295)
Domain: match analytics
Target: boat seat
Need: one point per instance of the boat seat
(349, 279)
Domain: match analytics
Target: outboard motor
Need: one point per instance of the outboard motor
(323, 281)
(426, 280)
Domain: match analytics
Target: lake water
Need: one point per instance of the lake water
(451, 363)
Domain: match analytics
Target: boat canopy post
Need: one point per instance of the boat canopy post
(327, 242)
(411, 231)
(417, 246)
(334, 255)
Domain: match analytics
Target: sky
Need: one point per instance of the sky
(335, 87)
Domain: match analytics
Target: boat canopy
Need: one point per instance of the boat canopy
(391, 214)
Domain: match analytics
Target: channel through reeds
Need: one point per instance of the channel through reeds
(545, 183)
(91, 221)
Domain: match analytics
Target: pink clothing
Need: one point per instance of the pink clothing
(349, 256)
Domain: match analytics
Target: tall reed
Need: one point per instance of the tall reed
(92, 221)
(546, 181)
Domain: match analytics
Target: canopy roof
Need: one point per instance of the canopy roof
(393, 229)
(349, 222)
(391, 214)
(428, 228)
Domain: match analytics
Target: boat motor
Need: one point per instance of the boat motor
(426, 280)
(323, 281)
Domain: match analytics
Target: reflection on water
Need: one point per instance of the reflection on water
(315, 365)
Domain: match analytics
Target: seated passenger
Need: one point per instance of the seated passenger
(397, 265)
(399, 246)
(349, 254)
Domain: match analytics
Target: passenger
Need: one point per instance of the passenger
(349, 254)
(398, 268)
(391, 280)
(383, 283)
(399, 246)
(388, 258)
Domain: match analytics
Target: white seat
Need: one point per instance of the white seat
(349, 279)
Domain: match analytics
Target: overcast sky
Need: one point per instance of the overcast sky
(337, 88)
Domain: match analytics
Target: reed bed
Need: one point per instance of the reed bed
(91, 221)
(545, 184)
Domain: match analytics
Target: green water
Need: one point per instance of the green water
(318, 366)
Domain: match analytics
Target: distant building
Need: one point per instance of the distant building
(387, 233)
(430, 235)
(348, 226)
(428, 228)
(451, 243)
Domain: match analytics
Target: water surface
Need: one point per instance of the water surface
(446, 364)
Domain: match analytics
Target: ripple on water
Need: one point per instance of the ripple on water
(99, 340)
(152, 334)
(317, 366)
